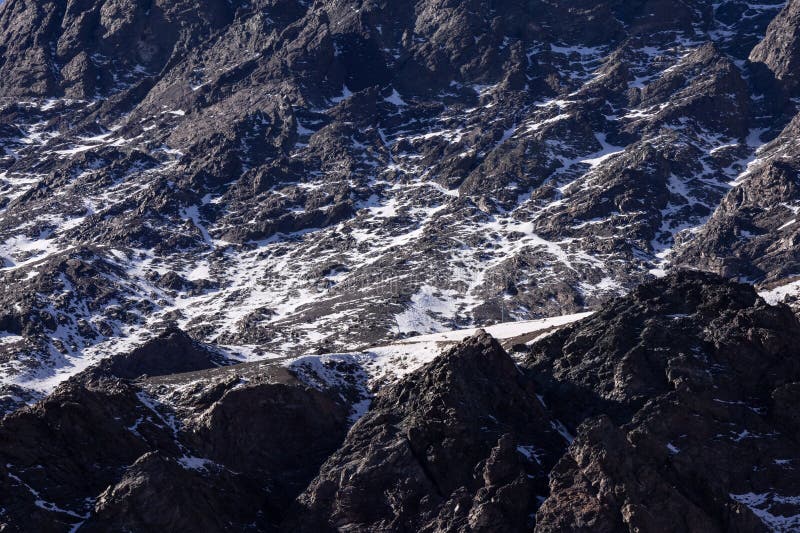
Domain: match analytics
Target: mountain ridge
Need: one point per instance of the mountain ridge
(206, 208)
(284, 177)
(673, 401)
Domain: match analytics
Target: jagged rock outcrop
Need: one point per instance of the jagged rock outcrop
(214, 450)
(60, 453)
(461, 444)
(753, 233)
(594, 490)
(208, 164)
(272, 178)
(671, 393)
(680, 396)
(158, 492)
(677, 396)
(780, 49)
(172, 352)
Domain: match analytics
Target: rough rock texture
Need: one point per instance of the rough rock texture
(753, 234)
(780, 49)
(461, 444)
(66, 449)
(677, 393)
(99, 45)
(286, 177)
(213, 450)
(158, 493)
(281, 176)
(172, 352)
(678, 396)
(681, 398)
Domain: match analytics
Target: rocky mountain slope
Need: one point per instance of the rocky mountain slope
(671, 409)
(279, 177)
(248, 251)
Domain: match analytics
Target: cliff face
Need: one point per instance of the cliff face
(322, 176)
(216, 449)
(670, 409)
(679, 395)
(190, 191)
(780, 49)
(461, 444)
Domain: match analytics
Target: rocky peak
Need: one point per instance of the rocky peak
(172, 352)
(669, 409)
(103, 453)
(659, 339)
(687, 370)
(462, 442)
(325, 180)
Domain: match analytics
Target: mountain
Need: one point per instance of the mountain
(670, 409)
(284, 177)
(509, 265)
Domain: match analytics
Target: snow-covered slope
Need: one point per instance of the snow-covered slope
(503, 331)
(299, 177)
(364, 372)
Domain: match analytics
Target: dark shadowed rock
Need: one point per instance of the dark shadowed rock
(66, 449)
(780, 49)
(258, 430)
(172, 352)
(679, 393)
(462, 443)
(286, 177)
(160, 493)
(603, 485)
(226, 449)
(681, 397)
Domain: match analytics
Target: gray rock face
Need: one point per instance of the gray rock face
(213, 450)
(321, 176)
(780, 49)
(172, 352)
(752, 234)
(284, 177)
(85, 49)
(463, 444)
(674, 394)
(681, 399)
(677, 396)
